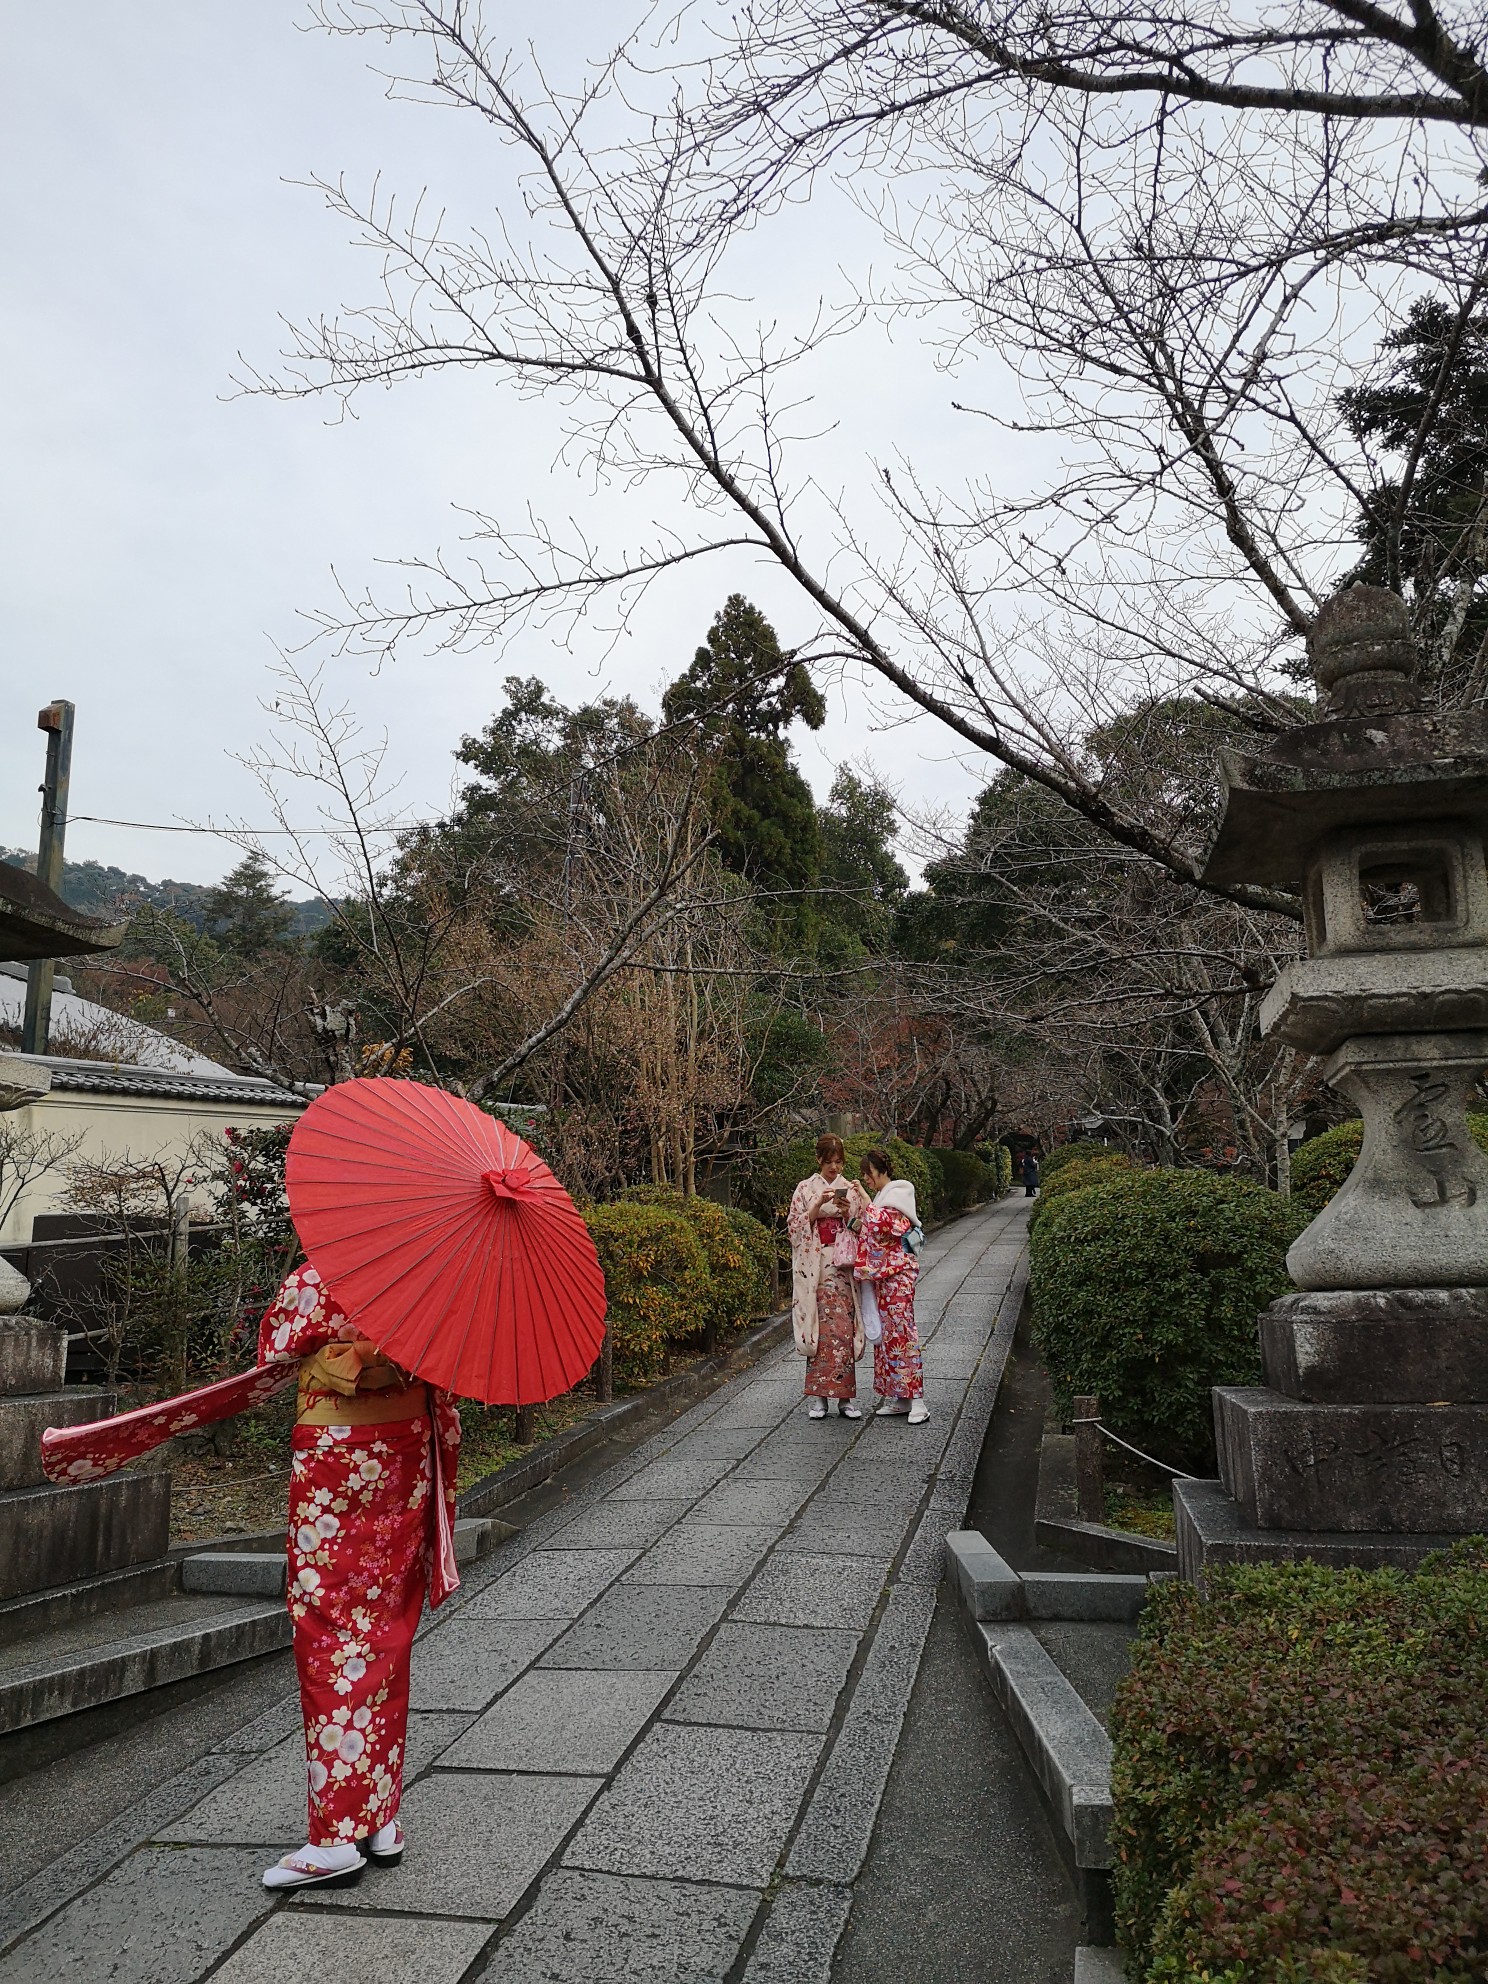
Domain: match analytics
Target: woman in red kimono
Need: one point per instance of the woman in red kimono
(371, 1508)
(885, 1260)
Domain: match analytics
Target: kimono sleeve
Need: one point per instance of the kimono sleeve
(301, 1319)
(798, 1219)
(880, 1243)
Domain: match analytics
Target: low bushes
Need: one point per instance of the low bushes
(737, 1250)
(1146, 1287)
(1300, 1778)
(677, 1271)
(1075, 1176)
(1075, 1153)
(1320, 1166)
(968, 1180)
(656, 1282)
(778, 1170)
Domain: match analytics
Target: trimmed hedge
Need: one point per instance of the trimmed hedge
(967, 1180)
(1076, 1176)
(656, 1281)
(1300, 1777)
(1146, 1287)
(737, 1249)
(778, 1170)
(1320, 1166)
(1075, 1153)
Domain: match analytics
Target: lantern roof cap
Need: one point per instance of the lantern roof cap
(1379, 757)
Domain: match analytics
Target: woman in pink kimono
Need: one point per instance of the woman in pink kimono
(829, 1329)
(885, 1260)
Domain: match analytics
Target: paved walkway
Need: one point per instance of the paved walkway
(649, 1741)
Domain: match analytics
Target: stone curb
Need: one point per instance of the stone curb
(1097, 1966)
(990, 1589)
(1112, 1549)
(1069, 1751)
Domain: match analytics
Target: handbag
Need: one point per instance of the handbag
(845, 1248)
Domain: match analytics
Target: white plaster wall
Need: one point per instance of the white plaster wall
(136, 1128)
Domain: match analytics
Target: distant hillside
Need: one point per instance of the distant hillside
(103, 891)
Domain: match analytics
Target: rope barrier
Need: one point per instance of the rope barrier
(1152, 1460)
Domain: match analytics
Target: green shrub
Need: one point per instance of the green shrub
(1075, 1178)
(1146, 1288)
(777, 1171)
(1075, 1153)
(1320, 1166)
(1004, 1170)
(967, 1179)
(738, 1268)
(1300, 1779)
(656, 1281)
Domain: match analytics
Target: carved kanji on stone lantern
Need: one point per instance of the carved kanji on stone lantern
(1369, 1442)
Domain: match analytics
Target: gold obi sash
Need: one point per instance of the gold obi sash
(337, 1389)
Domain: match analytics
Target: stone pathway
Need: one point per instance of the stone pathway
(650, 1739)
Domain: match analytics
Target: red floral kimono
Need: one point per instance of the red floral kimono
(884, 1260)
(371, 1511)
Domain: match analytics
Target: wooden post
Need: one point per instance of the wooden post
(1090, 1487)
(526, 1430)
(56, 721)
(605, 1382)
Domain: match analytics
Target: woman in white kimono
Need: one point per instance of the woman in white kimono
(828, 1326)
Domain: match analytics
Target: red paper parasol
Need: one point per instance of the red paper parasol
(447, 1240)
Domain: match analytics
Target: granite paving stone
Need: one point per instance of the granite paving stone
(641, 1626)
(848, 1529)
(711, 1443)
(587, 1928)
(562, 1720)
(703, 1553)
(292, 1947)
(613, 1525)
(753, 1502)
(552, 1584)
(661, 1480)
(800, 1936)
(797, 1589)
(265, 1805)
(468, 1661)
(477, 1840)
(688, 1798)
(161, 1917)
(767, 1677)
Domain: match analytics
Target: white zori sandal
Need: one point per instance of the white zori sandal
(817, 1409)
(316, 1867)
(919, 1412)
(384, 1848)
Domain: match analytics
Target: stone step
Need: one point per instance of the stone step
(68, 1604)
(261, 1573)
(125, 1653)
(56, 1536)
(24, 1418)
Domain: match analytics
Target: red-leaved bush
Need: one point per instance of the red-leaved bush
(1301, 1778)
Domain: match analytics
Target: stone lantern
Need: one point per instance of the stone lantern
(1368, 1443)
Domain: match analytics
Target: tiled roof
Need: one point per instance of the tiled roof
(118, 1078)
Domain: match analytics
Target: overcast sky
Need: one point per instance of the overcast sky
(160, 537)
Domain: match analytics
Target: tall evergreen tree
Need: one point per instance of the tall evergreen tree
(744, 695)
(1425, 531)
(245, 914)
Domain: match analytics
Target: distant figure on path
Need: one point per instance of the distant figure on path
(824, 1306)
(886, 1261)
(1030, 1174)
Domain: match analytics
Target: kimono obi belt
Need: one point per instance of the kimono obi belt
(337, 1389)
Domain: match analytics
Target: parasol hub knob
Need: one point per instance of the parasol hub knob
(513, 1183)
